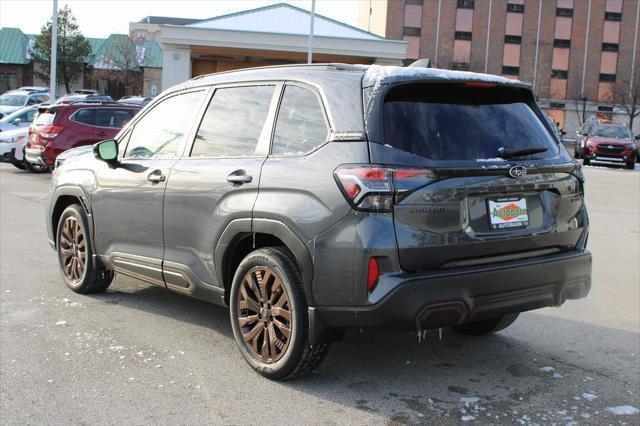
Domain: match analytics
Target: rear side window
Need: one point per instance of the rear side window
(159, 134)
(233, 121)
(85, 116)
(446, 122)
(113, 117)
(300, 126)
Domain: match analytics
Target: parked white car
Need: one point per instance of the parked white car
(12, 143)
(19, 118)
(16, 99)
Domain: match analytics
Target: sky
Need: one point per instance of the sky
(99, 18)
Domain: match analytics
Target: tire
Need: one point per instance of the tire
(586, 161)
(279, 357)
(631, 165)
(489, 326)
(18, 165)
(81, 272)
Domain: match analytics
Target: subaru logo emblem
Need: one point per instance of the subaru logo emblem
(517, 171)
(610, 147)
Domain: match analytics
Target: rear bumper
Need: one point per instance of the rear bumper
(35, 156)
(450, 298)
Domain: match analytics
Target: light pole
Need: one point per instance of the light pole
(584, 108)
(310, 42)
(54, 51)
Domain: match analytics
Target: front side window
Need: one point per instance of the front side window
(445, 122)
(301, 126)
(233, 121)
(160, 133)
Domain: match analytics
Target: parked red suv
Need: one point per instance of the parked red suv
(611, 143)
(58, 128)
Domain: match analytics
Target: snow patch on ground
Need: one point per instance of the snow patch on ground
(623, 410)
(546, 369)
(589, 396)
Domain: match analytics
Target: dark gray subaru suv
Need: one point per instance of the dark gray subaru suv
(310, 199)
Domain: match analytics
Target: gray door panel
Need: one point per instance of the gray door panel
(127, 207)
(199, 203)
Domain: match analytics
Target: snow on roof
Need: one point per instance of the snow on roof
(283, 19)
(378, 74)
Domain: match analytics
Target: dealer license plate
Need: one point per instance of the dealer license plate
(508, 213)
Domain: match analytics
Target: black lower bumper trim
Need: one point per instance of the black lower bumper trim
(474, 294)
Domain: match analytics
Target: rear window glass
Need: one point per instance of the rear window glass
(45, 118)
(458, 123)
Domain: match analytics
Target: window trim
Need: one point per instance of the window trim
(71, 117)
(263, 144)
(136, 119)
(325, 115)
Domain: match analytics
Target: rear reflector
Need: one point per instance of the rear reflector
(374, 273)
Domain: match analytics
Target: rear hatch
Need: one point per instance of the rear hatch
(43, 128)
(493, 185)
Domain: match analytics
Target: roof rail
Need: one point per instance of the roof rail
(329, 66)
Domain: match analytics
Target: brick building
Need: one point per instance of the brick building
(581, 56)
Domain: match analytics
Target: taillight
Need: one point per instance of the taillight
(50, 132)
(373, 274)
(375, 188)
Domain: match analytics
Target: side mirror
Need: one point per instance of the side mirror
(562, 132)
(17, 121)
(638, 137)
(107, 151)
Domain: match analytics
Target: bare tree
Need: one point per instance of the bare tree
(120, 62)
(627, 98)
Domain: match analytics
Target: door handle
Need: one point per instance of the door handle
(156, 176)
(239, 177)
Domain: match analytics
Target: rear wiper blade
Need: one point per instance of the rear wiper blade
(504, 153)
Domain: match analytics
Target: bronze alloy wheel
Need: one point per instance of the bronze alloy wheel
(73, 250)
(264, 314)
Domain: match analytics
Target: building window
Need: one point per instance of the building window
(609, 47)
(413, 15)
(561, 43)
(561, 74)
(567, 13)
(411, 31)
(614, 6)
(563, 28)
(558, 89)
(462, 51)
(515, 8)
(556, 105)
(463, 35)
(612, 16)
(413, 50)
(512, 39)
(608, 62)
(464, 20)
(511, 55)
(514, 24)
(611, 32)
(607, 78)
(605, 108)
(465, 4)
(560, 60)
(605, 92)
(460, 66)
(414, 2)
(507, 70)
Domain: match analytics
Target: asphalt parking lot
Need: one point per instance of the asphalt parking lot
(138, 354)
